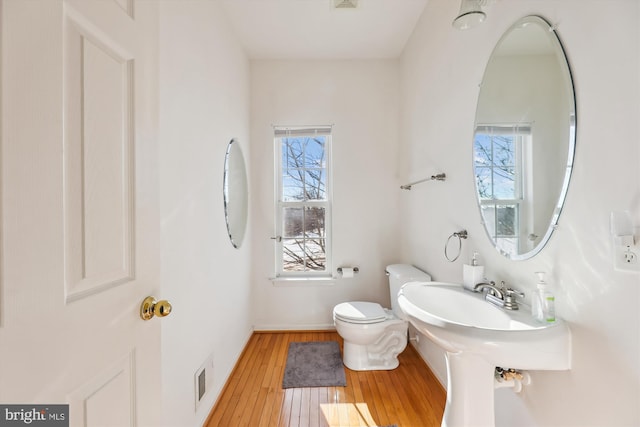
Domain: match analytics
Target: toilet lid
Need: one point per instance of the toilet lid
(360, 312)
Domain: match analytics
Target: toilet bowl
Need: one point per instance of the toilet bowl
(372, 341)
(374, 336)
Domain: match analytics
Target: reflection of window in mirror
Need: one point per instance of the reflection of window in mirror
(501, 164)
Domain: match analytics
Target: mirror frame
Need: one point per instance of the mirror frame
(560, 51)
(234, 191)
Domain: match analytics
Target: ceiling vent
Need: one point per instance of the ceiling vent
(345, 4)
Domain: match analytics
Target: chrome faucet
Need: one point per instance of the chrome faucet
(493, 295)
(502, 297)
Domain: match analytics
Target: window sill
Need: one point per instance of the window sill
(303, 281)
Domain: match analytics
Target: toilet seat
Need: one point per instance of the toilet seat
(360, 312)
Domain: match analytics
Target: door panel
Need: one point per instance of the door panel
(108, 399)
(99, 210)
(80, 223)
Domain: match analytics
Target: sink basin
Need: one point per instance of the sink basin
(477, 336)
(444, 303)
(459, 320)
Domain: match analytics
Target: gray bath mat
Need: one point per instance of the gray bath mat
(314, 364)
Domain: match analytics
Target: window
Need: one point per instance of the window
(499, 159)
(303, 201)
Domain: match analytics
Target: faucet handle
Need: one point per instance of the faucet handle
(510, 295)
(509, 292)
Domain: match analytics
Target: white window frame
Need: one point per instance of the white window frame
(281, 132)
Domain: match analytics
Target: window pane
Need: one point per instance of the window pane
(292, 153)
(483, 180)
(495, 166)
(315, 184)
(307, 251)
(482, 150)
(314, 222)
(489, 216)
(507, 245)
(315, 254)
(500, 220)
(504, 184)
(291, 186)
(315, 152)
(504, 150)
(293, 255)
(304, 255)
(304, 173)
(293, 222)
(506, 217)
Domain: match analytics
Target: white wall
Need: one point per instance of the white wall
(440, 72)
(204, 102)
(360, 98)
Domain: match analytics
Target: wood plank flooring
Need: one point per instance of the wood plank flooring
(409, 396)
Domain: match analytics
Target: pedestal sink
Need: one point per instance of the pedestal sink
(477, 336)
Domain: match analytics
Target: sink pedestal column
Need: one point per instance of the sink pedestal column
(470, 391)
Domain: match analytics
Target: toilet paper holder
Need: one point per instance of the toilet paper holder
(355, 269)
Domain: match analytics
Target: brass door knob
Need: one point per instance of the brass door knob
(150, 307)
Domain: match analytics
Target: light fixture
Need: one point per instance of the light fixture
(470, 14)
(345, 4)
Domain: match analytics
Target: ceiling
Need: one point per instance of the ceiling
(313, 29)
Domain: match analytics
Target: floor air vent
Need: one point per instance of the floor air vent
(203, 379)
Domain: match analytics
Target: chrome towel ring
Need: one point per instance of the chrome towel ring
(462, 234)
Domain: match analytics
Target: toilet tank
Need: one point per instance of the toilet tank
(399, 274)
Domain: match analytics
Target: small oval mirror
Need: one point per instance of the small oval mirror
(235, 193)
(524, 138)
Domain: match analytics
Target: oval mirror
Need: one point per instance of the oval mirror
(524, 138)
(235, 193)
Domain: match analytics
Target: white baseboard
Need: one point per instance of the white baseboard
(288, 327)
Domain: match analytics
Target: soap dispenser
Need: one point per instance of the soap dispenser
(472, 274)
(543, 302)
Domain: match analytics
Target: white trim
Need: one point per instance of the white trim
(286, 281)
(288, 278)
(289, 327)
(289, 131)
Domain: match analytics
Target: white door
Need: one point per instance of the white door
(79, 209)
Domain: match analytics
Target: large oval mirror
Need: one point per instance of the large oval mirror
(524, 138)
(235, 193)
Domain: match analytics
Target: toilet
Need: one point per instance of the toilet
(374, 336)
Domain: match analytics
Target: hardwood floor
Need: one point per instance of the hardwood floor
(409, 396)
